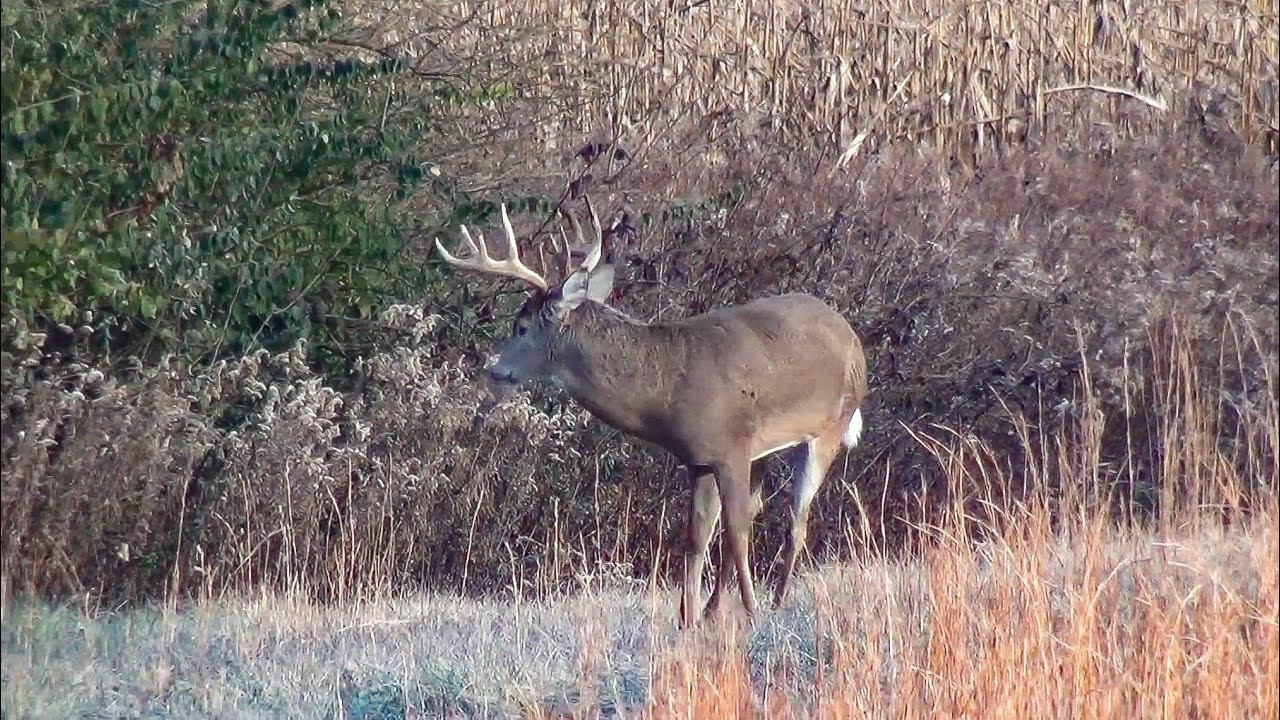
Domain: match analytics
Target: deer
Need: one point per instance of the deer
(717, 391)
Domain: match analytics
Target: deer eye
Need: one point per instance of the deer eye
(522, 330)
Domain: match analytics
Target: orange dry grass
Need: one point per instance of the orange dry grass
(705, 680)
(1044, 605)
(1002, 631)
(1060, 611)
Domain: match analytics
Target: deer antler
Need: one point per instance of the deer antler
(597, 232)
(481, 262)
(590, 252)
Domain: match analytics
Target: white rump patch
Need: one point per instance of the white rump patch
(854, 431)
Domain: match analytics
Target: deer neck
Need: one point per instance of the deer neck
(616, 367)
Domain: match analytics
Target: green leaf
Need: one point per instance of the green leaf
(62, 308)
(202, 180)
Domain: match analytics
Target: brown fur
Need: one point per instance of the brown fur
(717, 391)
(749, 378)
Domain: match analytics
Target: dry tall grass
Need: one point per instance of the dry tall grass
(972, 291)
(847, 77)
(976, 305)
(1060, 610)
(1065, 505)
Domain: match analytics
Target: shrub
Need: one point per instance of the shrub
(981, 309)
(177, 179)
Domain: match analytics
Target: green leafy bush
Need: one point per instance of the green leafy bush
(175, 181)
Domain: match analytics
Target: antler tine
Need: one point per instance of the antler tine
(597, 246)
(450, 257)
(564, 250)
(582, 243)
(480, 250)
(593, 258)
(513, 252)
(480, 260)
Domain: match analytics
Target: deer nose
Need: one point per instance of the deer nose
(499, 375)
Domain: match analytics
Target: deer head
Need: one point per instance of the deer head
(538, 333)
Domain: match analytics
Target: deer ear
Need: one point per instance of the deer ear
(581, 286)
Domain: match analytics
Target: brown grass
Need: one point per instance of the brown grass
(1059, 610)
(977, 305)
(963, 78)
(1107, 624)
(1065, 505)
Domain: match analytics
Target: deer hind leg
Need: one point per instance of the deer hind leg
(704, 512)
(737, 504)
(722, 574)
(819, 453)
(725, 569)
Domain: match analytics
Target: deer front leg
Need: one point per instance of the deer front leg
(704, 512)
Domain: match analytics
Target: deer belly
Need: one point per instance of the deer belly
(784, 446)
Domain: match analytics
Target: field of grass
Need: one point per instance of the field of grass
(1079, 622)
(1044, 604)
(849, 77)
(1053, 226)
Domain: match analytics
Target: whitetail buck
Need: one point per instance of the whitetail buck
(718, 391)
